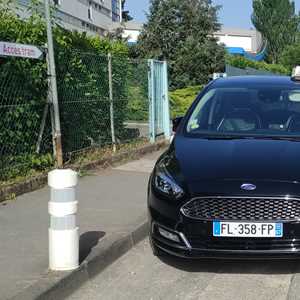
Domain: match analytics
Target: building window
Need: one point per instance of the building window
(57, 2)
(115, 8)
(90, 11)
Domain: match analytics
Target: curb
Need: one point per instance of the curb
(59, 285)
(35, 183)
(293, 292)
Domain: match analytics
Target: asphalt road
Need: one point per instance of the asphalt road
(140, 275)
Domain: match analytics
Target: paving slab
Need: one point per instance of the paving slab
(110, 202)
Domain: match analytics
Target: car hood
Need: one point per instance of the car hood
(221, 166)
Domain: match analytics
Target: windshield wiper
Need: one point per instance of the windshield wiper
(280, 138)
(226, 137)
(241, 137)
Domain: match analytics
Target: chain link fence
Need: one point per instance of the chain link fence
(103, 102)
(22, 103)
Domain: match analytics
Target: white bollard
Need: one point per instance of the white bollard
(63, 231)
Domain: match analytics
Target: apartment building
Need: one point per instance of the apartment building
(91, 16)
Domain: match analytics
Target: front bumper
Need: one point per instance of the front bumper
(197, 240)
(230, 248)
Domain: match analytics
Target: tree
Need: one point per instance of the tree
(181, 32)
(277, 22)
(290, 57)
(125, 13)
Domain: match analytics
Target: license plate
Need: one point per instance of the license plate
(243, 229)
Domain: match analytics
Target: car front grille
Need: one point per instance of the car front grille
(243, 208)
(244, 244)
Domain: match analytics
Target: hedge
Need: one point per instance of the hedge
(181, 99)
(243, 63)
(81, 63)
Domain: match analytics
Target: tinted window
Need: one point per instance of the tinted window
(251, 111)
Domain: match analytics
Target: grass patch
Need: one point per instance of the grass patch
(78, 159)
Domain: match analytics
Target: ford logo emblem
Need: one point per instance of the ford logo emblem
(248, 187)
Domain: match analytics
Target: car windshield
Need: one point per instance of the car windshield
(247, 112)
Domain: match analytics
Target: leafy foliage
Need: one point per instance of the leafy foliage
(277, 22)
(182, 99)
(290, 57)
(84, 90)
(181, 32)
(243, 63)
(82, 71)
(125, 13)
(138, 106)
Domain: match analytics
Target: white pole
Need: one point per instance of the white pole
(120, 10)
(63, 231)
(111, 105)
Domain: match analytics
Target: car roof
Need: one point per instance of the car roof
(259, 81)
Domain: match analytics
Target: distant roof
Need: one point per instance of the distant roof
(237, 31)
(133, 25)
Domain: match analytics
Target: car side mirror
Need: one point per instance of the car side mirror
(176, 122)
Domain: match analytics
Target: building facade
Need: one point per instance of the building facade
(91, 16)
(249, 40)
(131, 31)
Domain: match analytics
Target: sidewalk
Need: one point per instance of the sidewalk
(110, 202)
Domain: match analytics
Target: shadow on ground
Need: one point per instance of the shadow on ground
(87, 242)
(237, 266)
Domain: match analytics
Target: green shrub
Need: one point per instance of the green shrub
(24, 164)
(243, 63)
(82, 73)
(83, 89)
(137, 85)
(181, 99)
(290, 56)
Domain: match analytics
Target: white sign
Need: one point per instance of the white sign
(19, 50)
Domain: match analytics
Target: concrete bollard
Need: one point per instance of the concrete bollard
(63, 231)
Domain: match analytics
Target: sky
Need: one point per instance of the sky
(234, 13)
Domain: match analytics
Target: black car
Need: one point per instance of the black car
(229, 184)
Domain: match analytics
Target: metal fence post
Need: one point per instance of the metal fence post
(166, 108)
(42, 128)
(151, 94)
(54, 98)
(112, 123)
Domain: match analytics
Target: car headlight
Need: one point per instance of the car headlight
(165, 184)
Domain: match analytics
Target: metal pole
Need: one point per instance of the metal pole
(166, 108)
(42, 128)
(151, 92)
(54, 98)
(49, 101)
(121, 11)
(112, 123)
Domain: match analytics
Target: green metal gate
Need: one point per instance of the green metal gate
(159, 116)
